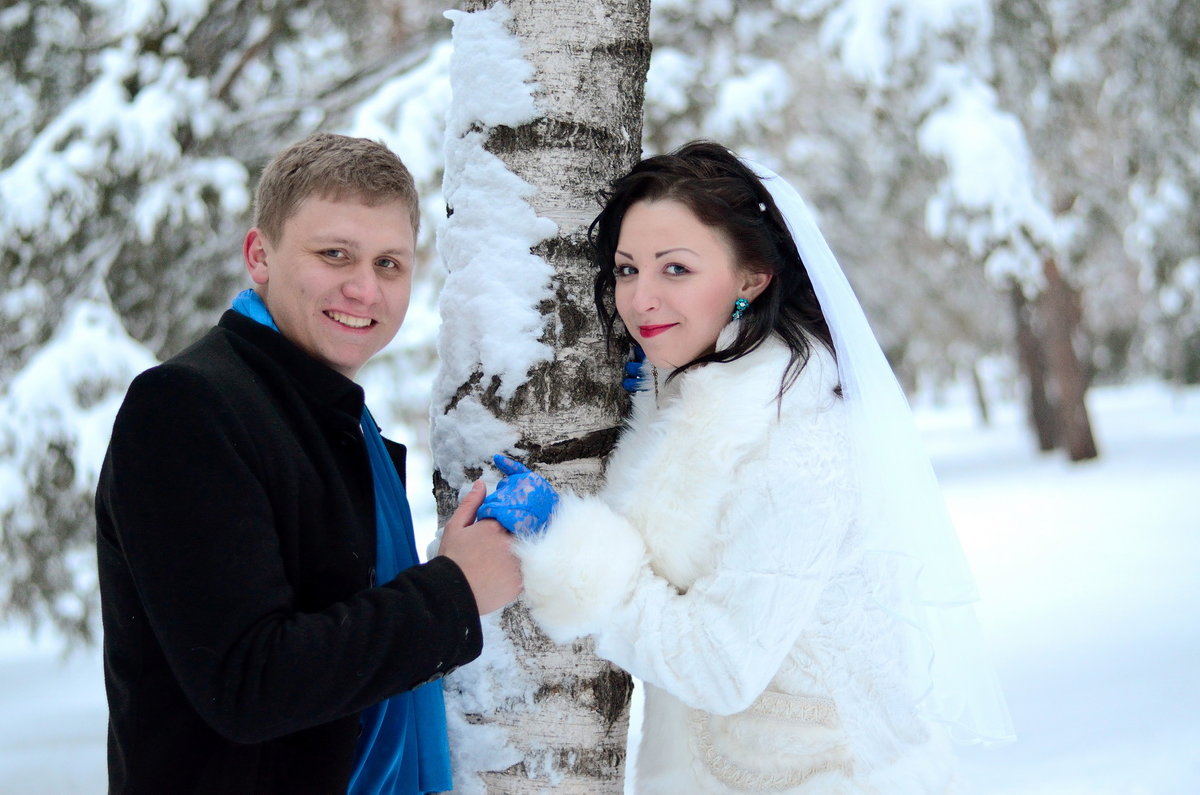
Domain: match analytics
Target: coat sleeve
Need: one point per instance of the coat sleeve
(187, 518)
(717, 645)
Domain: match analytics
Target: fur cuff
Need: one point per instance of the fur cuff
(581, 568)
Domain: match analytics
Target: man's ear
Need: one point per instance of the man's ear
(753, 285)
(254, 252)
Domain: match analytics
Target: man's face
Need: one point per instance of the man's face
(338, 279)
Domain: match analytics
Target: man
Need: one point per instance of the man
(264, 619)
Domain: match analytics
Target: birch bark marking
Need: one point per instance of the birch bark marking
(531, 716)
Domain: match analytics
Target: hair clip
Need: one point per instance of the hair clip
(762, 207)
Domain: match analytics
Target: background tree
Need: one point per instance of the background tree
(1130, 73)
(909, 139)
(759, 76)
(133, 132)
(127, 150)
(547, 108)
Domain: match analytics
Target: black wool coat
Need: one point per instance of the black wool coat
(244, 631)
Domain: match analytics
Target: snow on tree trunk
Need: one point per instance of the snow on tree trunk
(546, 110)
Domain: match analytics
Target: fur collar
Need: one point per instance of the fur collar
(672, 472)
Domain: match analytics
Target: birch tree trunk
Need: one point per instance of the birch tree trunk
(531, 716)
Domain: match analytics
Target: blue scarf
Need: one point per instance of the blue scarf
(403, 747)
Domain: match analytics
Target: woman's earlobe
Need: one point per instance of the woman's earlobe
(755, 284)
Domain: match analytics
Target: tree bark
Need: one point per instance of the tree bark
(1042, 416)
(1062, 316)
(981, 398)
(589, 62)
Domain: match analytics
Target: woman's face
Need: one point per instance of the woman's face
(676, 282)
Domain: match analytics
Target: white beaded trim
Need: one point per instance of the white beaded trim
(807, 709)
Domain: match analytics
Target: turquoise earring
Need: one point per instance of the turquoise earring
(739, 308)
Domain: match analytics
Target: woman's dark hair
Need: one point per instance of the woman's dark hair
(726, 195)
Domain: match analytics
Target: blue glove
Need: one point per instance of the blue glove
(523, 501)
(632, 382)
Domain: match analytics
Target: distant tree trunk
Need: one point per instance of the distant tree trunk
(981, 399)
(590, 61)
(1042, 416)
(1062, 316)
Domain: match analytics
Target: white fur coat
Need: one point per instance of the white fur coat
(720, 565)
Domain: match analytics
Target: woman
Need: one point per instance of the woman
(769, 553)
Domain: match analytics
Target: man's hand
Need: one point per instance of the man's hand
(483, 551)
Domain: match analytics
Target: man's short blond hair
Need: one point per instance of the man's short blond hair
(332, 167)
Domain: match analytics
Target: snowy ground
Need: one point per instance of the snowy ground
(1089, 575)
(1091, 582)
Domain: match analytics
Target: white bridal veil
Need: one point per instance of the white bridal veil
(904, 514)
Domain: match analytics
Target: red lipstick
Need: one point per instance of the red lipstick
(653, 331)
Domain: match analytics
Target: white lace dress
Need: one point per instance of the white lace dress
(720, 565)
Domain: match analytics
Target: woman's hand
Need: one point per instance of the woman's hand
(523, 501)
(633, 380)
